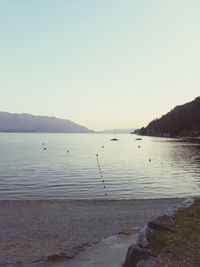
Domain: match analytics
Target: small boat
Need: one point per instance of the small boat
(114, 139)
(138, 139)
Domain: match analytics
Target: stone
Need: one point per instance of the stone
(136, 254)
(188, 202)
(87, 244)
(163, 223)
(61, 256)
(66, 255)
(185, 204)
(142, 240)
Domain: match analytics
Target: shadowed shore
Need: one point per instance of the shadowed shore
(32, 229)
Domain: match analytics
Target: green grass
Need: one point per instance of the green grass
(185, 244)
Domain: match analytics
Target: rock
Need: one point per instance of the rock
(66, 255)
(61, 256)
(142, 237)
(128, 231)
(87, 244)
(163, 223)
(187, 202)
(136, 254)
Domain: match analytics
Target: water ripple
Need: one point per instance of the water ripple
(159, 168)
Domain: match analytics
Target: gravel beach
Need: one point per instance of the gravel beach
(32, 229)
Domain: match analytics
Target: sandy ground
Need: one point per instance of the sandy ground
(32, 229)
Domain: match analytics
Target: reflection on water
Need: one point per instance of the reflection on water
(130, 168)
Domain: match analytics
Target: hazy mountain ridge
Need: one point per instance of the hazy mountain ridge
(121, 130)
(12, 122)
(183, 121)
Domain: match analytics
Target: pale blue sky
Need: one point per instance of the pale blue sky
(101, 63)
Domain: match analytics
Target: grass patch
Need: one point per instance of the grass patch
(185, 243)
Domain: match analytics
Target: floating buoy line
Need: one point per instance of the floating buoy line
(101, 175)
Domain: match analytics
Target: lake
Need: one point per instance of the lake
(70, 168)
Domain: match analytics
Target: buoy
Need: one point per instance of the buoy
(100, 172)
(102, 147)
(67, 151)
(44, 148)
(149, 160)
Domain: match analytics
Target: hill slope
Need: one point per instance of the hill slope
(10, 122)
(182, 121)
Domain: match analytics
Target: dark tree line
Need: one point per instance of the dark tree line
(183, 120)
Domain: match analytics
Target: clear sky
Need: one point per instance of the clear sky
(101, 63)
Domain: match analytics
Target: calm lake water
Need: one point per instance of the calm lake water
(27, 171)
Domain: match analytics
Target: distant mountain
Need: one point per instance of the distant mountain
(26, 123)
(128, 130)
(183, 121)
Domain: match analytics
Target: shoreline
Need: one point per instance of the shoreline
(92, 199)
(34, 229)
